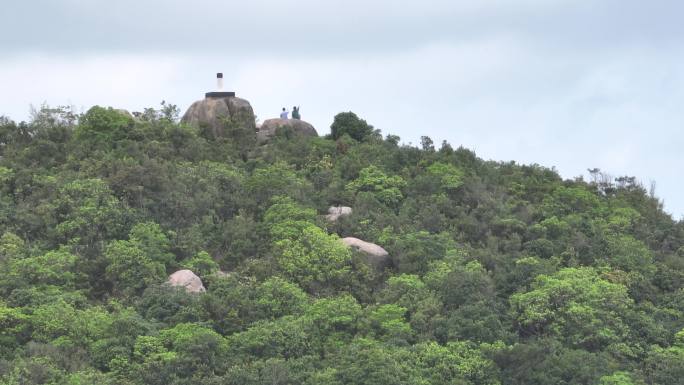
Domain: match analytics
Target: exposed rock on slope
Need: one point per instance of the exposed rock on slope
(214, 112)
(376, 255)
(124, 112)
(335, 212)
(187, 279)
(269, 128)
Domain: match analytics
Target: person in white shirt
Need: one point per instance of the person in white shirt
(283, 115)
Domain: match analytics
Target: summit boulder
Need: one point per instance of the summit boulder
(218, 113)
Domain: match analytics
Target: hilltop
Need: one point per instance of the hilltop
(299, 259)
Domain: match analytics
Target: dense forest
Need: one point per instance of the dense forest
(499, 273)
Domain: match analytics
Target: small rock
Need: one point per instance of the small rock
(187, 279)
(335, 212)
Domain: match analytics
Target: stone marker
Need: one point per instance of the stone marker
(219, 107)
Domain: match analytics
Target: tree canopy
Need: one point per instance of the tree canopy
(498, 273)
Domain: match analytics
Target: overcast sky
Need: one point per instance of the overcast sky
(570, 84)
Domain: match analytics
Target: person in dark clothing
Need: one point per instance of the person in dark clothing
(295, 113)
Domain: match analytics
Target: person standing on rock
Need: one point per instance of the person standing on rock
(283, 115)
(295, 113)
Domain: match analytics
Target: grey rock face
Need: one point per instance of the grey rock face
(270, 127)
(375, 255)
(187, 279)
(335, 212)
(214, 112)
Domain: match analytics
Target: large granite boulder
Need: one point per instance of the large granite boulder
(335, 212)
(375, 255)
(271, 127)
(217, 112)
(187, 279)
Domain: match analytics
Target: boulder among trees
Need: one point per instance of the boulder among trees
(376, 255)
(500, 273)
(336, 212)
(187, 279)
(285, 127)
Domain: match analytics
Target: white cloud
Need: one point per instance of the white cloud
(126, 81)
(571, 84)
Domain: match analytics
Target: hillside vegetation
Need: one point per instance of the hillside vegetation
(500, 273)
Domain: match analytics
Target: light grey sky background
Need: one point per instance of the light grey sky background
(567, 84)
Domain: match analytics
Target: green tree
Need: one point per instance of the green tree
(202, 264)
(277, 297)
(276, 179)
(347, 123)
(171, 305)
(11, 247)
(628, 254)
(576, 306)
(153, 242)
(315, 259)
(422, 304)
(285, 337)
(285, 219)
(389, 321)
(457, 284)
(100, 127)
(87, 213)
(197, 344)
(57, 268)
(666, 365)
(617, 378)
(456, 361)
(63, 325)
(386, 189)
(14, 329)
(449, 176)
(129, 270)
(546, 361)
(367, 362)
(568, 200)
(413, 252)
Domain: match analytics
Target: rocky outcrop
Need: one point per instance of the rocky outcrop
(335, 212)
(375, 255)
(271, 127)
(124, 112)
(187, 279)
(218, 112)
(222, 274)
